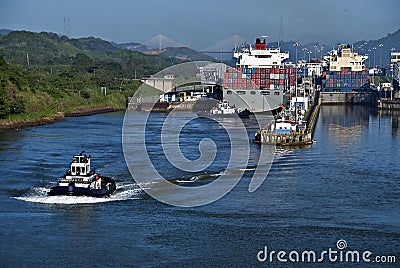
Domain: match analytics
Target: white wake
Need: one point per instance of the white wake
(125, 191)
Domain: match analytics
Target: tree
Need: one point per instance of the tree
(4, 104)
(81, 59)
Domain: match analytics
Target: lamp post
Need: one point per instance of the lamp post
(295, 87)
(364, 47)
(380, 56)
(374, 48)
(392, 67)
(315, 51)
(321, 48)
(304, 54)
(369, 58)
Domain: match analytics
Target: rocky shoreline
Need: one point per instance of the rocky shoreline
(23, 123)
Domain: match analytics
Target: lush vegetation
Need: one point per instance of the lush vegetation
(43, 73)
(10, 76)
(37, 91)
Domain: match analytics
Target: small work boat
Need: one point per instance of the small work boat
(224, 109)
(81, 180)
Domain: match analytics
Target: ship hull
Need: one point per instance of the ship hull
(72, 190)
(254, 100)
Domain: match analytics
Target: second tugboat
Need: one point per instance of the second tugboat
(224, 109)
(81, 180)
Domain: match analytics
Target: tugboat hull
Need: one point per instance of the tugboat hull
(72, 190)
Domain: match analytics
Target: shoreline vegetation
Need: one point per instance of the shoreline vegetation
(16, 124)
(45, 77)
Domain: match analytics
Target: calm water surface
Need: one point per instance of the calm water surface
(346, 186)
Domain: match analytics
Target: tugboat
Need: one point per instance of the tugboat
(81, 180)
(224, 109)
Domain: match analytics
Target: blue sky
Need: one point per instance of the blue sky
(200, 24)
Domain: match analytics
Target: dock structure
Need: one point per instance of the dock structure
(335, 98)
(312, 116)
(387, 104)
(293, 137)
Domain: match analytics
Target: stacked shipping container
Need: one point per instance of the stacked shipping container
(344, 81)
(260, 78)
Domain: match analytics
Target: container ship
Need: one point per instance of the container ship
(260, 78)
(346, 71)
(346, 78)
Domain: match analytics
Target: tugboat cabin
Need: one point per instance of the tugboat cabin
(80, 165)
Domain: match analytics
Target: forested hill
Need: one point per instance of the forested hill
(49, 49)
(44, 73)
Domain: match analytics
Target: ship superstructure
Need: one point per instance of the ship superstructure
(346, 71)
(259, 79)
(345, 57)
(260, 56)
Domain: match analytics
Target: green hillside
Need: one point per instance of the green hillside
(380, 56)
(49, 49)
(44, 73)
(19, 46)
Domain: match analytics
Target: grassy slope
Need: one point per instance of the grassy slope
(56, 81)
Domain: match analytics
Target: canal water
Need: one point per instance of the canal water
(345, 187)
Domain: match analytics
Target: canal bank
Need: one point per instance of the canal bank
(57, 117)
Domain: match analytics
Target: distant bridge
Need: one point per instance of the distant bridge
(225, 46)
(161, 41)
